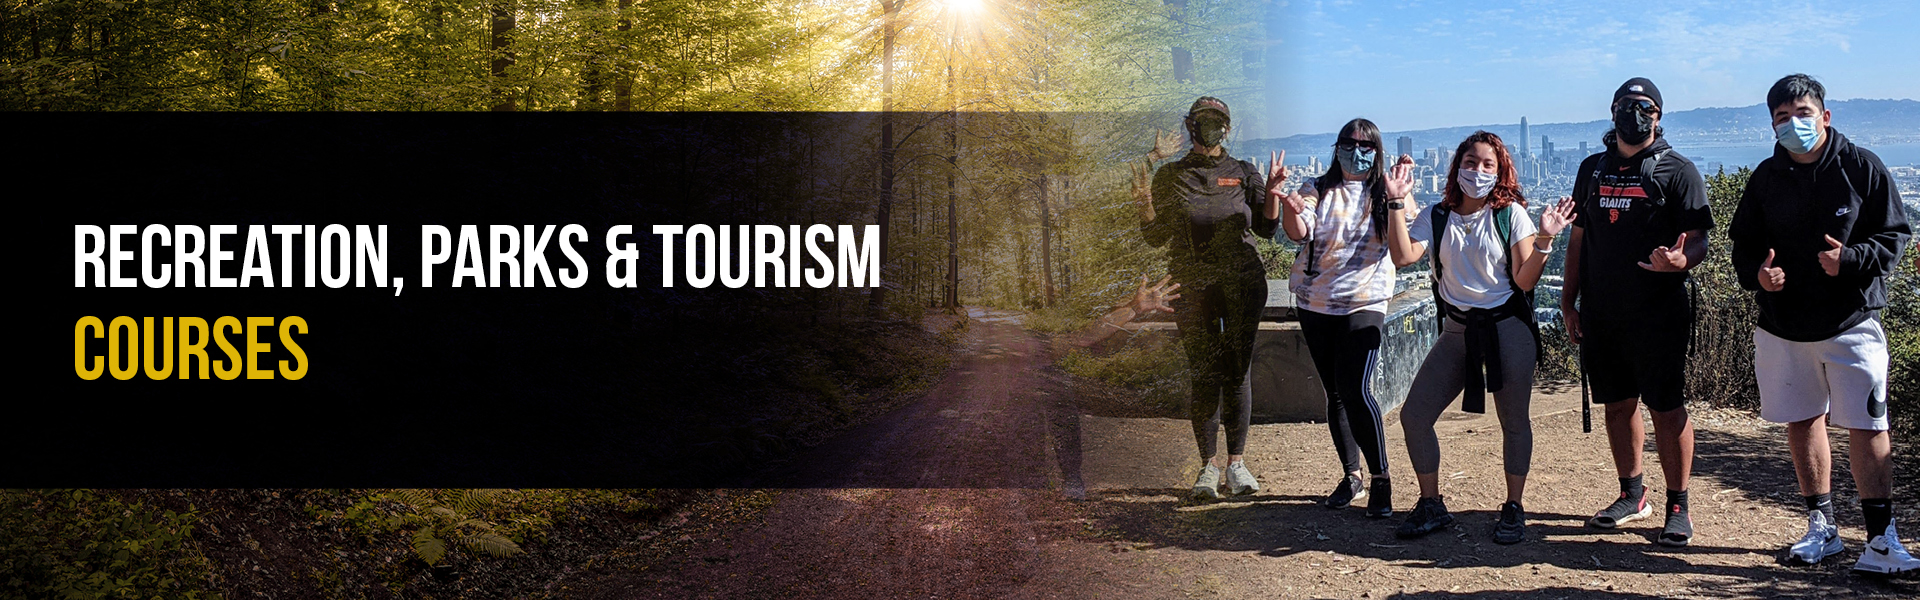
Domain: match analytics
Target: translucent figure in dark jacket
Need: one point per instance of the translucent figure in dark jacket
(1206, 208)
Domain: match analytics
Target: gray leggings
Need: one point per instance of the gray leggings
(1443, 377)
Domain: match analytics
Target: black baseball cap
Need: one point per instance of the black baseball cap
(1641, 86)
(1209, 103)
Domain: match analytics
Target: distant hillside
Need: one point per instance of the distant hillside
(1864, 121)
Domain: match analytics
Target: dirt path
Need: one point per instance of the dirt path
(1011, 479)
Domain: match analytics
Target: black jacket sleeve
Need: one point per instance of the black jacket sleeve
(1880, 234)
(1165, 200)
(1256, 186)
(1748, 232)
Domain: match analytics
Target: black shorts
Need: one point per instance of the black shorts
(1633, 358)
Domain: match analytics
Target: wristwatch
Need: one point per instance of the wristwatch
(1395, 205)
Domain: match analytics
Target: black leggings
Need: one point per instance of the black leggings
(1217, 329)
(1346, 351)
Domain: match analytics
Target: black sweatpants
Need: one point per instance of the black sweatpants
(1217, 329)
(1346, 350)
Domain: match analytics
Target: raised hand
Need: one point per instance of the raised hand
(1143, 191)
(1830, 259)
(1556, 218)
(1156, 297)
(1400, 178)
(1165, 144)
(1277, 176)
(1668, 259)
(1772, 278)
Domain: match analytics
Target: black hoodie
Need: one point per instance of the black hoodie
(1789, 208)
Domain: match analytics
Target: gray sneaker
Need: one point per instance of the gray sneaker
(1240, 481)
(1207, 487)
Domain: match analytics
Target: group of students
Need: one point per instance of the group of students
(1818, 228)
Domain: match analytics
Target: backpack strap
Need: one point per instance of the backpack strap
(1503, 223)
(1648, 183)
(1437, 218)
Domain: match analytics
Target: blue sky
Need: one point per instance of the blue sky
(1415, 64)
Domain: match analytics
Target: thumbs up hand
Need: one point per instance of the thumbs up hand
(1772, 278)
(1830, 259)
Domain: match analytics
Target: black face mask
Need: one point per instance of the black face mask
(1632, 126)
(1208, 131)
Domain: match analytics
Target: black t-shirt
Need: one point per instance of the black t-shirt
(1622, 219)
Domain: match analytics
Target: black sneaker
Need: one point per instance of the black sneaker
(1346, 492)
(1380, 499)
(1679, 529)
(1623, 511)
(1429, 515)
(1512, 526)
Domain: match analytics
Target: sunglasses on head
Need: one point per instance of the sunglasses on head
(1646, 107)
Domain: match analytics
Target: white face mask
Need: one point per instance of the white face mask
(1476, 184)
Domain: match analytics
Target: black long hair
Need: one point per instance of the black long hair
(1376, 177)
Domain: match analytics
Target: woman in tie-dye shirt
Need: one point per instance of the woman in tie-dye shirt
(1341, 281)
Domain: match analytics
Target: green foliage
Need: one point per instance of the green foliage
(1901, 320)
(1059, 318)
(88, 544)
(428, 55)
(451, 519)
(1720, 372)
(1149, 363)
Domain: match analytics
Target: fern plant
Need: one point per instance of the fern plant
(450, 519)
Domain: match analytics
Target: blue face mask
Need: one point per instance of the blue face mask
(1476, 184)
(1798, 135)
(1356, 161)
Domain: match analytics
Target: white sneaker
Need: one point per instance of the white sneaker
(1885, 556)
(1240, 481)
(1207, 487)
(1822, 539)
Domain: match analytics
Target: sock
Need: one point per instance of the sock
(1633, 487)
(1879, 515)
(1678, 498)
(1824, 504)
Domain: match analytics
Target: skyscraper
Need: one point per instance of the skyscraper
(1583, 149)
(1406, 145)
(1525, 132)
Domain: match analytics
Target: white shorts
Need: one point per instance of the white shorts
(1844, 377)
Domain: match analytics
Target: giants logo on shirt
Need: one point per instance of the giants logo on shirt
(1227, 182)
(1615, 198)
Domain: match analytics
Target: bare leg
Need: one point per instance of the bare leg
(1812, 457)
(1626, 435)
(1673, 435)
(1871, 454)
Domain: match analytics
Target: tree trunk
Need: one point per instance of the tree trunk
(622, 70)
(953, 224)
(502, 27)
(593, 76)
(1046, 241)
(877, 296)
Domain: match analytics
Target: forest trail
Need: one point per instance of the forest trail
(1002, 483)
